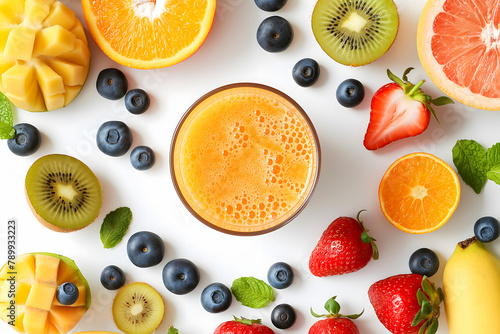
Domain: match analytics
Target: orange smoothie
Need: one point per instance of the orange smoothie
(245, 159)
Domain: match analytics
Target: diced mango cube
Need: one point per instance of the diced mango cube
(79, 32)
(66, 318)
(11, 12)
(15, 314)
(18, 79)
(60, 15)
(22, 292)
(50, 82)
(51, 329)
(79, 55)
(32, 102)
(37, 10)
(72, 74)
(14, 290)
(4, 34)
(54, 41)
(5, 288)
(71, 93)
(41, 296)
(20, 43)
(35, 321)
(54, 102)
(46, 268)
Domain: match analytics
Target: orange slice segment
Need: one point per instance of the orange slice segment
(418, 193)
(149, 33)
(459, 46)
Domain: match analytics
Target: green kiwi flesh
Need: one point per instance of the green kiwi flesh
(63, 193)
(355, 32)
(138, 309)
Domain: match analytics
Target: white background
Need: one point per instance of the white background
(349, 178)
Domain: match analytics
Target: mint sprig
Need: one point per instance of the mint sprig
(252, 292)
(114, 226)
(6, 119)
(475, 164)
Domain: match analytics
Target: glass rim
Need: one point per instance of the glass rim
(315, 174)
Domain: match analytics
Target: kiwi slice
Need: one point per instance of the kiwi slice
(138, 309)
(355, 32)
(63, 193)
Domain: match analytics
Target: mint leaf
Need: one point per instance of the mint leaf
(494, 174)
(172, 330)
(470, 159)
(6, 120)
(252, 292)
(114, 226)
(493, 156)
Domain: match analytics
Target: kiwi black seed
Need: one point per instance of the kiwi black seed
(138, 309)
(355, 32)
(63, 193)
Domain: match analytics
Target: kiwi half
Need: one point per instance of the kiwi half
(138, 309)
(63, 193)
(355, 32)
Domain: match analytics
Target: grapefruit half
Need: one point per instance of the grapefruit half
(458, 44)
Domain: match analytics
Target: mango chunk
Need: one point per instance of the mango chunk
(13, 315)
(60, 15)
(71, 74)
(41, 296)
(53, 41)
(11, 11)
(54, 102)
(65, 318)
(79, 55)
(4, 35)
(32, 102)
(79, 32)
(37, 10)
(35, 321)
(46, 269)
(20, 43)
(18, 79)
(24, 267)
(71, 93)
(50, 82)
(14, 290)
(51, 329)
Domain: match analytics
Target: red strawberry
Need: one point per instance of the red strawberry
(242, 326)
(334, 322)
(399, 109)
(406, 304)
(344, 247)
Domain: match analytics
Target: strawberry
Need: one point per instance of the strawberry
(344, 247)
(243, 326)
(406, 304)
(334, 322)
(399, 109)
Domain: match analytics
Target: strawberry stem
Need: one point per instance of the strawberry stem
(367, 239)
(333, 309)
(416, 88)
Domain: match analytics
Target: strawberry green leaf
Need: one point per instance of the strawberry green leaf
(470, 159)
(333, 309)
(252, 292)
(172, 330)
(6, 119)
(247, 321)
(441, 101)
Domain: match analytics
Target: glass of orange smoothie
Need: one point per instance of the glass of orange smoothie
(245, 159)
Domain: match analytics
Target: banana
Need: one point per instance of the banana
(471, 286)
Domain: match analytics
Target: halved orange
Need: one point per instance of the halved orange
(418, 193)
(458, 44)
(149, 34)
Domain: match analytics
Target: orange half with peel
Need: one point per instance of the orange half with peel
(418, 193)
(458, 45)
(149, 34)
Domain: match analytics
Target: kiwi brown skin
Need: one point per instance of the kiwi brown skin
(57, 228)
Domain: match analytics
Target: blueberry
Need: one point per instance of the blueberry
(424, 262)
(67, 293)
(142, 158)
(350, 93)
(112, 84)
(275, 34)
(27, 140)
(114, 138)
(306, 72)
(283, 316)
(487, 229)
(112, 277)
(180, 276)
(137, 101)
(145, 249)
(270, 5)
(216, 298)
(280, 275)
